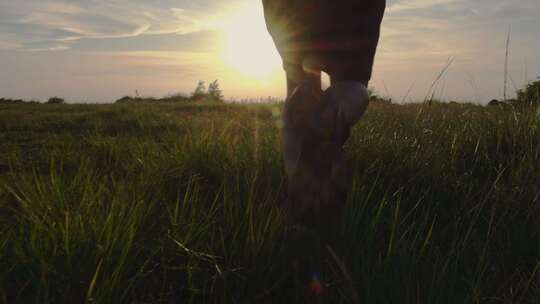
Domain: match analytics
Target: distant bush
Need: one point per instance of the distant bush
(170, 98)
(530, 94)
(201, 93)
(502, 104)
(178, 97)
(16, 101)
(56, 100)
(129, 99)
(375, 97)
(124, 99)
(494, 102)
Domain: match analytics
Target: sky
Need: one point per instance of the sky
(101, 50)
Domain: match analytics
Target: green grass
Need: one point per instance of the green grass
(176, 203)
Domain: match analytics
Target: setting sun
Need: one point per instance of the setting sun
(248, 48)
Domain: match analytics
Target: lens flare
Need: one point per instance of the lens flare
(316, 287)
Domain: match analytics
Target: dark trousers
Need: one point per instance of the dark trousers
(338, 37)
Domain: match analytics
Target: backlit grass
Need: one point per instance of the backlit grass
(161, 203)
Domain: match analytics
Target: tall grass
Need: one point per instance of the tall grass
(161, 203)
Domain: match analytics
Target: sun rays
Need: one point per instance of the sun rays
(247, 47)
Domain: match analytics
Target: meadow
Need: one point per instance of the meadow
(177, 203)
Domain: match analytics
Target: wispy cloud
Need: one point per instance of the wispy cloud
(25, 23)
(420, 35)
(50, 48)
(404, 6)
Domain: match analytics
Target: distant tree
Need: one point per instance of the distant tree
(214, 91)
(56, 100)
(200, 91)
(374, 97)
(530, 95)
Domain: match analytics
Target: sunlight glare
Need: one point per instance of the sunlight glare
(248, 48)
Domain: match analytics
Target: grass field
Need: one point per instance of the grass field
(176, 203)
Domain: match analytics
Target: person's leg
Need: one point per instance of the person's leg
(297, 76)
(303, 92)
(316, 126)
(304, 166)
(350, 99)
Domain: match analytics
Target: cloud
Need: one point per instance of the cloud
(24, 23)
(52, 48)
(8, 45)
(201, 41)
(462, 28)
(404, 6)
(418, 36)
